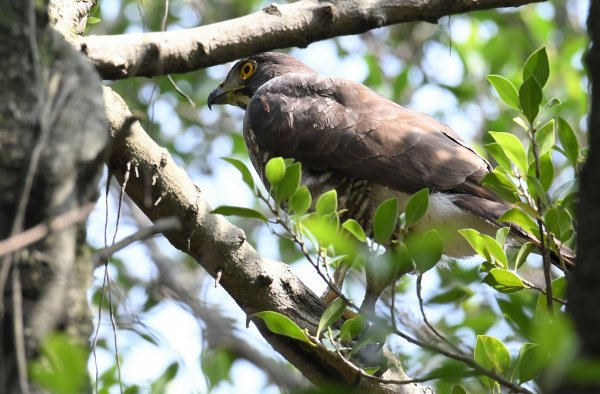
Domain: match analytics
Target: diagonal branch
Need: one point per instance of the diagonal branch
(276, 26)
(256, 284)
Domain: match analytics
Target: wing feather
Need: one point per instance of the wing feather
(332, 124)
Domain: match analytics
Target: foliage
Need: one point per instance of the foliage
(527, 174)
(406, 63)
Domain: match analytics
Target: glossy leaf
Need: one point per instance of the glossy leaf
(531, 362)
(416, 206)
(498, 154)
(512, 148)
(504, 281)
(523, 253)
(282, 325)
(228, 210)
(456, 389)
(485, 246)
(530, 98)
(333, 312)
(327, 203)
(300, 201)
(520, 218)
(290, 182)
(426, 250)
(568, 140)
(353, 327)
(275, 170)
(506, 90)
(544, 137)
(491, 354)
(537, 66)
(559, 290)
(385, 220)
(454, 296)
(501, 185)
(354, 228)
(241, 167)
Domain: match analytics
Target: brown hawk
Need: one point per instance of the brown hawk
(368, 148)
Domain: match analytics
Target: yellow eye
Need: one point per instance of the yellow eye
(247, 69)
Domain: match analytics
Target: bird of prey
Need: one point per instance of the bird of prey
(368, 148)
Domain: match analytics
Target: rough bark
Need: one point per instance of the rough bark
(163, 189)
(276, 26)
(584, 282)
(52, 132)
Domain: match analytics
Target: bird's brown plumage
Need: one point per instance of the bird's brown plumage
(365, 146)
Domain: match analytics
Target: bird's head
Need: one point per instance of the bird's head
(249, 74)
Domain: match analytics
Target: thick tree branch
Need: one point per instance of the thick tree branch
(276, 26)
(256, 284)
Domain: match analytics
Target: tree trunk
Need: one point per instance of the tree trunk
(584, 283)
(52, 138)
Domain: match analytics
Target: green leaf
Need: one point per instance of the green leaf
(287, 186)
(228, 210)
(531, 362)
(371, 370)
(333, 312)
(275, 170)
(485, 246)
(491, 354)
(327, 203)
(504, 281)
(454, 296)
(506, 90)
(500, 184)
(501, 235)
(568, 140)
(553, 101)
(353, 327)
(520, 218)
(241, 167)
(537, 66)
(282, 325)
(92, 21)
(159, 385)
(385, 220)
(61, 366)
(530, 97)
(426, 250)
(545, 137)
(551, 220)
(416, 206)
(354, 228)
(559, 290)
(498, 154)
(456, 389)
(536, 189)
(300, 201)
(513, 148)
(523, 253)
(216, 364)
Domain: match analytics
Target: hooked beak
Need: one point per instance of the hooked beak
(237, 96)
(217, 96)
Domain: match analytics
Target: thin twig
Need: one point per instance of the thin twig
(38, 232)
(160, 226)
(541, 226)
(532, 286)
(424, 315)
(464, 359)
(295, 239)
